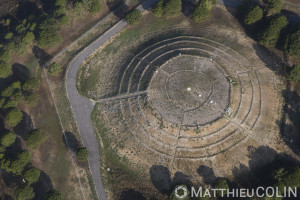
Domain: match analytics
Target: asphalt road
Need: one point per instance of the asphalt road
(82, 106)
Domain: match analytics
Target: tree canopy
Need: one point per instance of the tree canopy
(270, 35)
(254, 15)
(134, 17)
(7, 139)
(16, 165)
(54, 69)
(202, 10)
(35, 138)
(31, 84)
(14, 117)
(48, 34)
(167, 8)
(5, 70)
(82, 154)
(221, 184)
(273, 6)
(294, 73)
(24, 192)
(53, 195)
(293, 44)
(32, 175)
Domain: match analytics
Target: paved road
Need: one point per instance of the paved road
(82, 107)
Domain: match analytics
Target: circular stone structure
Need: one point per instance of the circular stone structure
(190, 86)
(187, 98)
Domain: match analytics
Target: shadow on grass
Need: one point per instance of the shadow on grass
(70, 141)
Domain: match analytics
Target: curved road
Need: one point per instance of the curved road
(82, 106)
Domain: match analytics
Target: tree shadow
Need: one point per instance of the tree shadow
(271, 60)
(42, 55)
(131, 195)
(43, 185)
(263, 161)
(118, 7)
(207, 174)
(24, 126)
(161, 178)
(27, 8)
(291, 132)
(20, 72)
(188, 7)
(70, 141)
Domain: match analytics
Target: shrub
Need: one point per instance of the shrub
(35, 138)
(55, 69)
(31, 84)
(273, 6)
(5, 70)
(14, 117)
(294, 74)
(270, 35)
(24, 192)
(7, 139)
(254, 15)
(32, 175)
(202, 10)
(53, 195)
(82, 154)
(134, 17)
(31, 99)
(293, 44)
(64, 20)
(28, 38)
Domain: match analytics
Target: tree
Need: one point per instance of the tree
(289, 178)
(172, 8)
(254, 15)
(96, 6)
(158, 10)
(270, 35)
(64, 20)
(24, 192)
(202, 10)
(35, 138)
(17, 164)
(134, 17)
(14, 100)
(14, 117)
(7, 92)
(221, 184)
(28, 38)
(32, 175)
(294, 74)
(7, 139)
(31, 84)
(82, 154)
(48, 34)
(292, 45)
(5, 70)
(273, 6)
(53, 195)
(31, 99)
(55, 69)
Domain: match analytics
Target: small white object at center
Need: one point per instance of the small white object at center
(189, 89)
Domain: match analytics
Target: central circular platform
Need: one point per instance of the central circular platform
(189, 90)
